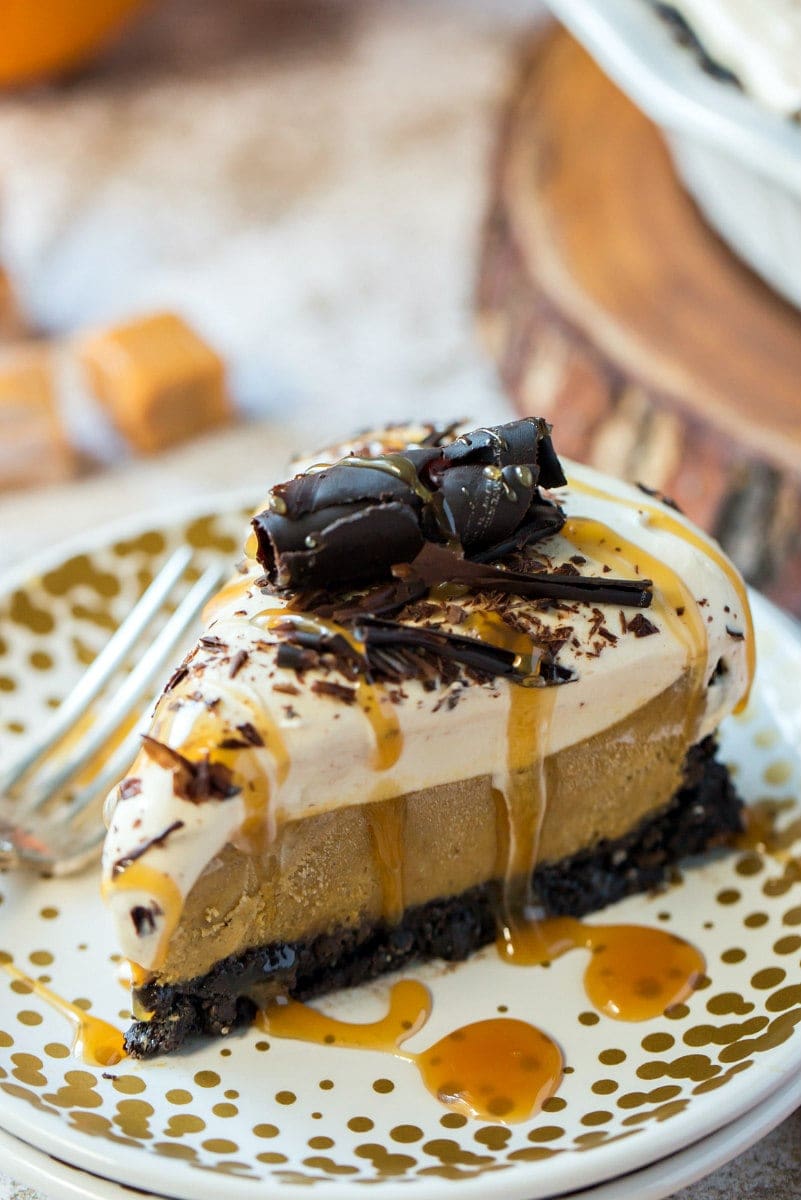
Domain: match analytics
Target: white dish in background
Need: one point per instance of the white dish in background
(229, 1115)
(741, 162)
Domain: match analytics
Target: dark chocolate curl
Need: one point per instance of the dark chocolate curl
(519, 443)
(348, 524)
(356, 543)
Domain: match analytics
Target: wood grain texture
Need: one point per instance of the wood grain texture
(611, 308)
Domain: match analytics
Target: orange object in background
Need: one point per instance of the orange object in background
(157, 379)
(40, 38)
(33, 444)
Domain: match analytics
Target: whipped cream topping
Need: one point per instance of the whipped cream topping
(758, 40)
(304, 751)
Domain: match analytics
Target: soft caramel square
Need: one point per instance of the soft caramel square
(33, 444)
(158, 380)
(13, 326)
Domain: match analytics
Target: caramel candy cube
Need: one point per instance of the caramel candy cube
(158, 380)
(13, 326)
(33, 445)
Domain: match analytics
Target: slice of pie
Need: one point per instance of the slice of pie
(447, 682)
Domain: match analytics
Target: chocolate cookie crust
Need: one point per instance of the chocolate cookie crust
(704, 813)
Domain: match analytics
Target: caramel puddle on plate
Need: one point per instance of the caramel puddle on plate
(634, 972)
(495, 1070)
(96, 1042)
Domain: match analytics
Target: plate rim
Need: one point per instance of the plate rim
(722, 1146)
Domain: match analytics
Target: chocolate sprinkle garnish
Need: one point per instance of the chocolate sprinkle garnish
(641, 627)
(250, 733)
(325, 687)
(350, 522)
(296, 658)
(121, 863)
(238, 662)
(130, 787)
(178, 674)
(196, 782)
(657, 495)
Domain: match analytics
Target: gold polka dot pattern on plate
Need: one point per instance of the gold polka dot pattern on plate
(207, 1079)
(778, 773)
(129, 1085)
(360, 1124)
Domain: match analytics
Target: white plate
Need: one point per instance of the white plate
(59, 1181)
(741, 161)
(281, 1118)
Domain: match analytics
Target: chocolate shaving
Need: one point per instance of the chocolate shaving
(326, 687)
(439, 437)
(641, 627)
(250, 733)
(657, 495)
(349, 523)
(196, 782)
(478, 655)
(130, 787)
(237, 663)
(178, 674)
(438, 564)
(737, 634)
(295, 657)
(122, 863)
(396, 650)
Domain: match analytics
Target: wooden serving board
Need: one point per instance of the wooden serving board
(612, 309)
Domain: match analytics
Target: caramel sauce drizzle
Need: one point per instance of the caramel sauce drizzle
(521, 786)
(672, 599)
(239, 586)
(657, 518)
(634, 973)
(251, 544)
(96, 1042)
(138, 876)
(495, 1070)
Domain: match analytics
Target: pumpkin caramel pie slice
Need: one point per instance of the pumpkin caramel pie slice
(449, 680)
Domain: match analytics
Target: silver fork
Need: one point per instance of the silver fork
(42, 825)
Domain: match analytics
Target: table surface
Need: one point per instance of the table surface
(405, 320)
